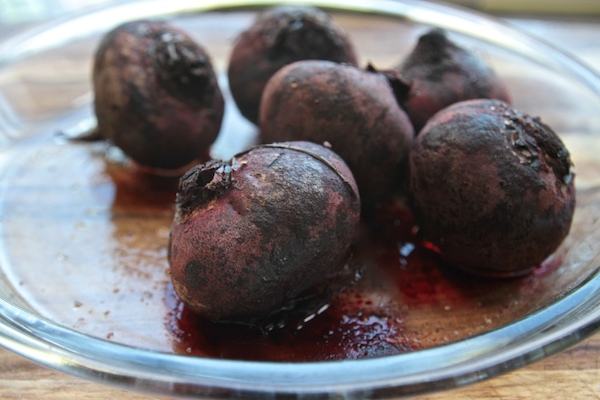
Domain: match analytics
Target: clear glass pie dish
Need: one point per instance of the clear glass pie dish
(84, 286)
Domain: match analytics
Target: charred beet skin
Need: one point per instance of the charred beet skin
(156, 94)
(253, 234)
(356, 111)
(279, 36)
(442, 73)
(491, 187)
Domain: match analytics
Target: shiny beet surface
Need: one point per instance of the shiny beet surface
(269, 228)
(354, 110)
(491, 187)
(442, 73)
(280, 36)
(156, 94)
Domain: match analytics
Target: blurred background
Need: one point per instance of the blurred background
(17, 15)
(573, 25)
(18, 12)
(14, 12)
(562, 7)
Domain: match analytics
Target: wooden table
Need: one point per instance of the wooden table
(573, 374)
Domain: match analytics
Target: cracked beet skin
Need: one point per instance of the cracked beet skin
(491, 187)
(156, 94)
(442, 73)
(280, 36)
(356, 111)
(255, 234)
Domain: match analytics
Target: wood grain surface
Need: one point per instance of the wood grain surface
(572, 374)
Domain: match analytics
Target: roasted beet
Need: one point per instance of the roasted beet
(156, 94)
(255, 234)
(442, 73)
(280, 36)
(356, 111)
(491, 187)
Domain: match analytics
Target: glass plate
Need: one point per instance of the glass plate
(84, 286)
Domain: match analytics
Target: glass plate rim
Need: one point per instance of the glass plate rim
(504, 349)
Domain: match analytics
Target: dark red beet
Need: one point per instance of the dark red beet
(256, 234)
(356, 111)
(156, 94)
(442, 73)
(491, 187)
(279, 36)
